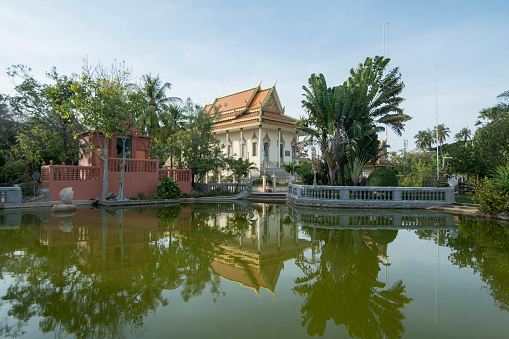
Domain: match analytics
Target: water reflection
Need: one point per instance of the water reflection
(100, 273)
(341, 283)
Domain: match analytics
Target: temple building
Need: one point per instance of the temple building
(252, 124)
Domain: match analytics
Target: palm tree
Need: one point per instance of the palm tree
(424, 139)
(366, 101)
(443, 133)
(172, 121)
(496, 112)
(157, 102)
(465, 133)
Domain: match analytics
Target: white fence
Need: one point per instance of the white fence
(362, 196)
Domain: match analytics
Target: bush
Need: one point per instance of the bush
(490, 198)
(409, 181)
(501, 178)
(168, 189)
(383, 177)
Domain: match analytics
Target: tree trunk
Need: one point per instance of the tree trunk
(105, 164)
(120, 195)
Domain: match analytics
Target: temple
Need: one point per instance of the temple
(251, 124)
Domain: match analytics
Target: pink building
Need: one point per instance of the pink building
(141, 173)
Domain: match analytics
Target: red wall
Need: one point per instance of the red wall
(86, 181)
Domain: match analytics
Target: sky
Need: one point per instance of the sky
(209, 48)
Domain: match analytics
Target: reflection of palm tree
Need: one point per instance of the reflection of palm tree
(342, 285)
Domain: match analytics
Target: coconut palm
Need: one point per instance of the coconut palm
(443, 133)
(424, 139)
(157, 102)
(465, 133)
(172, 121)
(495, 113)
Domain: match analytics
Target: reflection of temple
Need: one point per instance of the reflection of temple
(257, 255)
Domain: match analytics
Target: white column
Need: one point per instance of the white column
(279, 147)
(241, 142)
(260, 144)
(227, 143)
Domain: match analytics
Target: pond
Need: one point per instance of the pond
(252, 270)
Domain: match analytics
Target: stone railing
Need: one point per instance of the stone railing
(224, 187)
(378, 197)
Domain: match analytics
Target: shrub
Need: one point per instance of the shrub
(168, 189)
(384, 177)
(490, 198)
(501, 178)
(409, 181)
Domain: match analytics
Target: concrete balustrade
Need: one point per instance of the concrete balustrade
(362, 196)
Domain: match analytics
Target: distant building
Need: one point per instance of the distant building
(252, 125)
(382, 160)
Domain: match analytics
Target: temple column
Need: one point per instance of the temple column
(260, 146)
(279, 147)
(228, 143)
(241, 143)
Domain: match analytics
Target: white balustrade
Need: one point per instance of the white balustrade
(362, 196)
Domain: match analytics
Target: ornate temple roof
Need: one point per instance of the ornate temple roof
(252, 106)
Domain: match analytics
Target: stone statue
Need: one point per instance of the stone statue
(292, 179)
(66, 195)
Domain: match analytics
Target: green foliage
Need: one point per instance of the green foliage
(168, 189)
(345, 119)
(409, 181)
(290, 167)
(240, 167)
(501, 178)
(490, 198)
(195, 147)
(382, 177)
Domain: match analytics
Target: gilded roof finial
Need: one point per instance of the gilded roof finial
(275, 82)
(260, 82)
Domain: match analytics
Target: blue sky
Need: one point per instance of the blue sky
(206, 48)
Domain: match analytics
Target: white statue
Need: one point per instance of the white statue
(453, 182)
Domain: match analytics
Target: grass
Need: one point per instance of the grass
(463, 198)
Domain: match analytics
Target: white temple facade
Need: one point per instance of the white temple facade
(251, 124)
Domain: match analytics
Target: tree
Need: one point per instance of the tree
(240, 167)
(495, 113)
(442, 134)
(157, 102)
(346, 119)
(464, 134)
(424, 139)
(195, 147)
(106, 101)
(488, 150)
(172, 121)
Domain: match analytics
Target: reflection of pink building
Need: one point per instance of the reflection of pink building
(141, 173)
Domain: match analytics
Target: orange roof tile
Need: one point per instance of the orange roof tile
(232, 101)
(259, 97)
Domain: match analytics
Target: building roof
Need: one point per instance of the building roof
(252, 106)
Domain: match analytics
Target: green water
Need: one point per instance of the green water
(252, 271)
